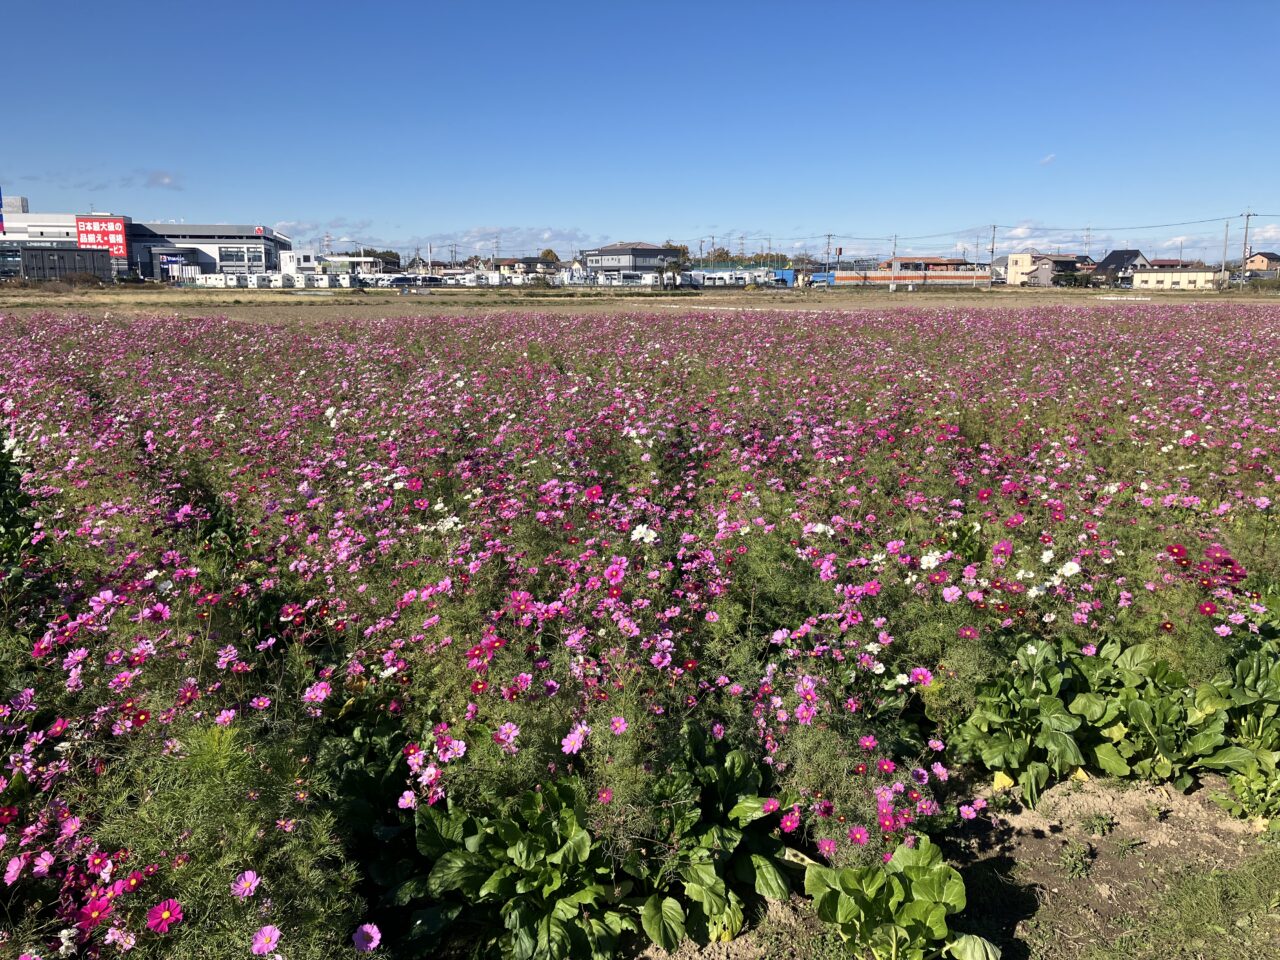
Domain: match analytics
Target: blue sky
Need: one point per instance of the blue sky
(570, 124)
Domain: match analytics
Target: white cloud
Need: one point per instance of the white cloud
(1047, 159)
(160, 180)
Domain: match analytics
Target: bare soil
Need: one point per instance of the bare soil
(286, 305)
(1075, 873)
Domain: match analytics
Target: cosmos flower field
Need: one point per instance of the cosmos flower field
(524, 635)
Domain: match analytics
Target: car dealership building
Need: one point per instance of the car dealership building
(150, 250)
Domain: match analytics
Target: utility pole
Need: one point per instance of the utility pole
(991, 267)
(702, 260)
(826, 266)
(1087, 245)
(1244, 251)
(1226, 274)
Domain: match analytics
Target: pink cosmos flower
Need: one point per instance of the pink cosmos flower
(265, 940)
(367, 937)
(505, 737)
(576, 739)
(604, 795)
(93, 913)
(317, 692)
(790, 821)
(618, 725)
(769, 806)
(827, 847)
(245, 885)
(164, 915)
(14, 869)
(858, 836)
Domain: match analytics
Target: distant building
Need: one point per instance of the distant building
(1118, 267)
(632, 257)
(1176, 278)
(1263, 261)
(525, 266)
(928, 264)
(61, 232)
(1173, 264)
(300, 261)
(214, 247)
(1031, 268)
(46, 264)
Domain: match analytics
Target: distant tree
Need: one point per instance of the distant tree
(549, 254)
(678, 251)
(719, 255)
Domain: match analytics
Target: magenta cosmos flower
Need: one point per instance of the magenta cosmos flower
(367, 937)
(576, 738)
(265, 940)
(164, 915)
(245, 885)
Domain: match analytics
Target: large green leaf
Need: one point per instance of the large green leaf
(969, 947)
(1209, 700)
(727, 924)
(746, 810)
(926, 914)
(713, 897)
(1054, 715)
(923, 854)
(457, 870)
(769, 880)
(1062, 750)
(1136, 658)
(1091, 706)
(1109, 760)
(818, 880)
(553, 938)
(941, 885)
(1231, 758)
(663, 920)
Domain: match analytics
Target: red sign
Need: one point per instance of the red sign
(258, 231)
(102, 233)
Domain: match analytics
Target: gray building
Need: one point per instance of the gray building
(213, 247)
(62, 264)
(151, 250)
(636, 256)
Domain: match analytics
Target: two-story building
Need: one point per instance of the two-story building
(633, 257)
(1260, 262)
(1117, 267)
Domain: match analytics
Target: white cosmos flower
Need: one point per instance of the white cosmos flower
(643, 533)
